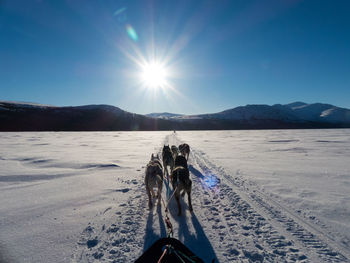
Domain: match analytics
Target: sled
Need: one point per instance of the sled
(169, 250)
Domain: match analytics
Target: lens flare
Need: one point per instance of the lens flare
(211, 181)
(119, 11)
(131, 33)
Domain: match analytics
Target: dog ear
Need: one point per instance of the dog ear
(152, 156)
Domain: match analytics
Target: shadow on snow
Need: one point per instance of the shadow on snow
(151, 236)
(196, 240)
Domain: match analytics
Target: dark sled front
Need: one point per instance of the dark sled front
(175, 252)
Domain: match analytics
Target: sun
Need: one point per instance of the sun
(154, 75)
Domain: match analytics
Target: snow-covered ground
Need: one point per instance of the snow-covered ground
(269, 196)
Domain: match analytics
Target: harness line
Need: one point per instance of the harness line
(169, 226)
(167, 219)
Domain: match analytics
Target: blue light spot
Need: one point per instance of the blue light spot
(211, 181)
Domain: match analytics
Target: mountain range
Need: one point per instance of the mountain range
(18, 116)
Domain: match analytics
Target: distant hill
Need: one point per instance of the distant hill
(322, 112)
(21, 116)
(35, 117)
(293, 112)
(253, 113)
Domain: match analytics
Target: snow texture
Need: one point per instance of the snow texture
(258, 196)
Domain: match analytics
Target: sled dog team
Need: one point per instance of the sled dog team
(176, 158)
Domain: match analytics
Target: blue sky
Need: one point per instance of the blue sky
(219, 54)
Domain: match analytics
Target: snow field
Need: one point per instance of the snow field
(258, 196)
(54, 184)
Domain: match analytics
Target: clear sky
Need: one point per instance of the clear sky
(217, 54)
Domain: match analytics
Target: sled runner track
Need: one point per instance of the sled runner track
(291, 225)
(245, 233)
(306, 233)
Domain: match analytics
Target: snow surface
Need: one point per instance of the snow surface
(274, 196)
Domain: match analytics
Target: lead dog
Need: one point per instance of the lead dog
(185, 150)
(181, 181)
(168, 160)
(154, 178)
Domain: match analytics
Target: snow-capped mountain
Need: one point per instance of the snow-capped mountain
(255, 112)
(296, 104)
(321, 112)
(295, 112)
(163, 115)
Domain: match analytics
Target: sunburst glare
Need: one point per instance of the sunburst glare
(154, 75)
(158, 68)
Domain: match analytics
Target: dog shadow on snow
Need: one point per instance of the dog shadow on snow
(190, 232)
(196, 239)
(152, 236)
(195, 172)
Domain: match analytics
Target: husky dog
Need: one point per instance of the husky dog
(154, 178)
(181, 161)
(174, 151)
(181, 181)
(156, 159)
(185, 150)
(168, 160)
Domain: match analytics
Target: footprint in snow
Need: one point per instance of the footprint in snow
(125, 190)
(92, 243)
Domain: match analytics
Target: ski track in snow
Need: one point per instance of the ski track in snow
(233, 221)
